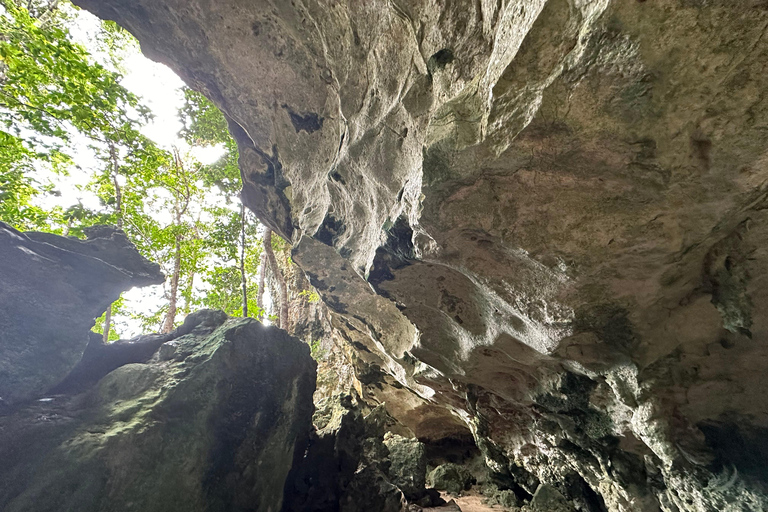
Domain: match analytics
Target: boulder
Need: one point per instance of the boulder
(408, 465)
(215, 426)
(451, 478)
(51, 290)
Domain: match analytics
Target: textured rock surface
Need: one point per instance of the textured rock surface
(346, 467)
(51, 290)
(542, 220)
(215, 427)
(451, 478)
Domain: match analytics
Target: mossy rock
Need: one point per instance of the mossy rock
(216, 428)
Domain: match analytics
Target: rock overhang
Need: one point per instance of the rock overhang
(587, 178)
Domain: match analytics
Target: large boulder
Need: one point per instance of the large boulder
(214, 424)
(408, 465)
(543, 220)
(450, 477)
(51, 290)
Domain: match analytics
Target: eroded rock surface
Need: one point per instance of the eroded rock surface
(51, 290)
(215, 425)
(542, 221)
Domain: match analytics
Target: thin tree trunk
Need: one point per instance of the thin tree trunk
(242, 260)
(107, 322)
(118, 192)
(262, 279)
(170, 317)
(181, 203)
(119, 214)
(283, 306)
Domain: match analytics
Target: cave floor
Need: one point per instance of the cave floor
(472, 501)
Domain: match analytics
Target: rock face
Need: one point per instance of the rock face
(51, 290)
(213, 426)
(540, 220)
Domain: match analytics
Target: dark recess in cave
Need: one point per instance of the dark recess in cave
(439, 60)
(309, 122)
(396, 253)
(330, 230)
(736, 442)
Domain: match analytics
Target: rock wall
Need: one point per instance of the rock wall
(213, 422)
(51, 290)
(540, 220)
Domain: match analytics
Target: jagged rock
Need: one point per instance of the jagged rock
(408, 465)
(450, 477)
(542, 222)
(217, 427)
(51, 290)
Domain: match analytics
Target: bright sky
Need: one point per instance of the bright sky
(160, 90)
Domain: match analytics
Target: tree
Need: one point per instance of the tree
(53, 96)
(205, 125)
(50, 90)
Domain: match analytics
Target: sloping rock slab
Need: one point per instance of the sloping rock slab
(215, 427)
(51, 289)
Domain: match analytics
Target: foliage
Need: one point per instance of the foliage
(316, 351)
(311, 295)
(55, 99)
(205, 125)
(50, 93)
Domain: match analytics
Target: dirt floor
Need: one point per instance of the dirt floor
(471, 501)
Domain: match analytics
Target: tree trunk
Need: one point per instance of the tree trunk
(283, 306)
(262, 279)
(170, 317)
(119, 214)
(107, 322)
(242, 260)
(118, 192)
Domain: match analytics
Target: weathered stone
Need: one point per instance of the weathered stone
(450, 477)
(51, 290)
(539, 221)
(217, 427)
(408, 465)
(101, 358)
